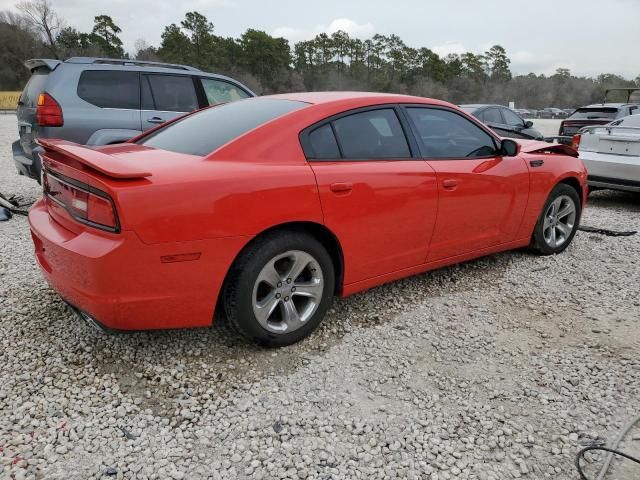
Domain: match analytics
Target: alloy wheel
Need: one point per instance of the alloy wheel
(559, 221)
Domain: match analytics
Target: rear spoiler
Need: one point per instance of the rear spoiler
(106, 164)
(34, 63)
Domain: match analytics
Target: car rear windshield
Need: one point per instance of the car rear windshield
(203, 132)
(35, 86)
(593, 113)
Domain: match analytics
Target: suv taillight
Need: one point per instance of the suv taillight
(85, 204)
(575, 141)
(49, 113)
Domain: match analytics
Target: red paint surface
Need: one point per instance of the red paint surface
(391, 218)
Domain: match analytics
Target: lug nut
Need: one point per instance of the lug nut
(277, 295)
(293, 289)
(286, 299)
(288, 280)
(279, 284)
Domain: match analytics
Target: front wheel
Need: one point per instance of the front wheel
(280, 288)
(558, 221)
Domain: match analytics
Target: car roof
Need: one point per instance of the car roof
(364, 98)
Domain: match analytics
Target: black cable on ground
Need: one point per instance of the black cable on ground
(605, 231)
(604, 449)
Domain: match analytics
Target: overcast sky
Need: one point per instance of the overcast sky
(587, 36)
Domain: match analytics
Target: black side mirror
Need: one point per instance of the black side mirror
(509, 148)
(528, 124)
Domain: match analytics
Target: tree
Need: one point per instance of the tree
(145, 52)
(105, 36)
(200, 33)
(19, 41)
(264, 56)
(497, 64)
(41, 16)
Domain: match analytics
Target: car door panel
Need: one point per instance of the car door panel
(165, 97)
(482, 195)
(484, 208)
(383, 212)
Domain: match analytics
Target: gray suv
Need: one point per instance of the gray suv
(99, 101)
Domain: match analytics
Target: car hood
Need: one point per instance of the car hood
(537, 146)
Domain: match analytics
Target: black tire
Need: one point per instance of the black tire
(239, 286)
(538, 242)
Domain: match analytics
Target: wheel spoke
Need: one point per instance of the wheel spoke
(301, 260)
(564, 229)
(290, 314)
(547, 222)
(311, 289)
(270, 275)
(566, 211)
(265, 307)
(553, 236)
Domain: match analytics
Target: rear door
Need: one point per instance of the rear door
(377, 195)
(482, 195)
(167, 96)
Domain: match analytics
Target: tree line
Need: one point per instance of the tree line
(269, 64)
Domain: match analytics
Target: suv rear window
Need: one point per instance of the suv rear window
(203, 132)
(594, 113)
(34, 87)
(98, 88)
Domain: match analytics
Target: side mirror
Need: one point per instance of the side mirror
(528, 124)
(509, 148)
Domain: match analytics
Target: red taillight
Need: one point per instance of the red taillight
(85, 204)
(49, 113)
(575, 141)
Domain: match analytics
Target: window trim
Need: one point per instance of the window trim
(414, 152)
(137, 74)
(199, 80)
(470, 118)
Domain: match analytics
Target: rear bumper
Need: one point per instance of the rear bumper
(122, 284)
(26, 165)
(618, 172)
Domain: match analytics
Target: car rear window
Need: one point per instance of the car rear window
(593, 113)
(204, 131)
(110, 89)
(34, 87)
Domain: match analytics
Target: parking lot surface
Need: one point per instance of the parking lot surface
(499, 368)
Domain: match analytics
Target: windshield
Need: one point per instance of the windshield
(594, 113)
(203, 132)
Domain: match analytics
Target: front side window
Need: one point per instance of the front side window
(172, 93)
(110, 89)
(218, 91)
(374, 134)
(445, 134)
(203, 132)
(510, 118)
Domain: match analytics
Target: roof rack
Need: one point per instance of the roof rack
(628, 90)
(123, 61)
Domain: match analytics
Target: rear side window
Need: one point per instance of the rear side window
(110, 89)
(205, 131)
(173, 93)
(594, 113)
(219, 91)
(323, 143)
(372, 134)
(35, 86)
(445, 134)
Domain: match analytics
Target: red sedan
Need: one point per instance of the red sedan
(267, 207)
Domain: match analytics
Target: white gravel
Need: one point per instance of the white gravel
(498, 368)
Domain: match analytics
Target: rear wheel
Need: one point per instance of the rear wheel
(280, 288)
(558, 221)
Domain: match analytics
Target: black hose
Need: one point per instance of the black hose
(605, 449)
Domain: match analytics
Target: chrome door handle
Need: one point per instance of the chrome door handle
(450, 183)
(341, 187)
(155, 120)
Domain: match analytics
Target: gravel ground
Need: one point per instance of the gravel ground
(498, 368)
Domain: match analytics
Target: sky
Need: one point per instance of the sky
(587, 36)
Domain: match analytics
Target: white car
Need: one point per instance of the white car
(611, 154)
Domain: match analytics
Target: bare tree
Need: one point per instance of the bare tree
(42, 17)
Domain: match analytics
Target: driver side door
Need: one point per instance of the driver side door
(482, 195)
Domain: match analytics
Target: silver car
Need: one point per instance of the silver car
(611, 154)
(99, 101)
